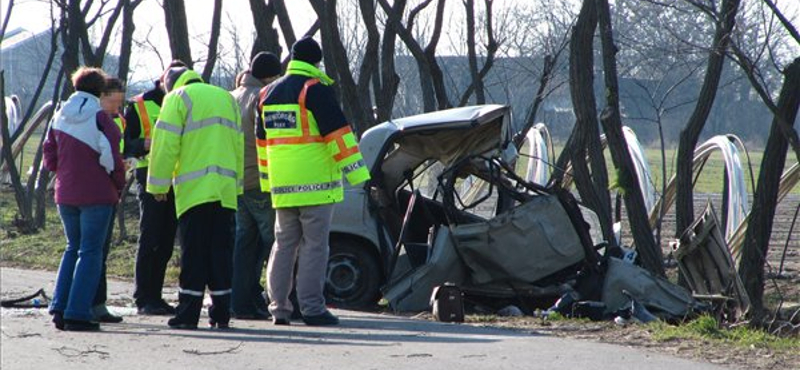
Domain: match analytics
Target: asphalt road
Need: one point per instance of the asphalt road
(362, 341)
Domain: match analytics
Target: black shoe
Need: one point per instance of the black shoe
(252, 316)
(81, 325)
(156, 309)
(218, 324)
(166, 306)
(177, 324)
(109, 318)
(324, 319)
(281, 322)
(58, 320)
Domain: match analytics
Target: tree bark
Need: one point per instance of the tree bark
(650, 253)
(337, 64)
(125, 47)
(24, 222)
(593, 188)
(279, 7)
(756, 243)
(684, 207)
(266, 35)
(178, 31)
(213, 41)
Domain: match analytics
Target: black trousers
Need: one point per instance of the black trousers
(101, 295)
(206, 261)
(157, 226)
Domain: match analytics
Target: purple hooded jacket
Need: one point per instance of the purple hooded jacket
(82, 149)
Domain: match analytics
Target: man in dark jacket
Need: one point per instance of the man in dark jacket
(157, 220)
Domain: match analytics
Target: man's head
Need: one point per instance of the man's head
(171, 74)
(265, 66)
(89, 79)
(307, 50)
(114, 95)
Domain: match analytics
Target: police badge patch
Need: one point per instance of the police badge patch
(280, 120)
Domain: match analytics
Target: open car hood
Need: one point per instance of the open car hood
(394, 147)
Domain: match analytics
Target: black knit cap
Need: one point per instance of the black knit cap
(265, 64)
(307, 50)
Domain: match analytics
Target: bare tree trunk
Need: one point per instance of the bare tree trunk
(650, 253)
(266, 35)
(472, 57)
(756, 243)
(337, 64)
(389, 81)
(178, 31)
(7, 17)
(477, 85)
(125, 47)
(593, 188)
(24, 222)
(279, 7)
(70, 38)
(434, 93)
(216, 21)
(684, 207)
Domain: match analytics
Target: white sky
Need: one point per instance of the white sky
(34, 15)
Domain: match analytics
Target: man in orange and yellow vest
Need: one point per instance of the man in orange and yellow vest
(305, 145)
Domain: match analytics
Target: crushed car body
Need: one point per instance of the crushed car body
(445, 204)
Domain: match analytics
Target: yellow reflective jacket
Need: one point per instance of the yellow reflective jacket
(197, 145)
(301, 158)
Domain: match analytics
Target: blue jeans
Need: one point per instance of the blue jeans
(255, 223)
(86, 228)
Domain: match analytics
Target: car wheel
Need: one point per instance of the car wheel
(354, 276)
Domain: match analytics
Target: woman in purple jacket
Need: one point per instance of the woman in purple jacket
(82, 149)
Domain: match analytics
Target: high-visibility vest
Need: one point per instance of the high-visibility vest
(197, 146)
(299, 166)
(148, 112)
(120, 121)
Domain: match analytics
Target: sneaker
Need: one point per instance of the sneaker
(101, 314)
(177, 324)
(324, 319)
(58, 320)
(81, 325)
(166, 306)
(281, 321)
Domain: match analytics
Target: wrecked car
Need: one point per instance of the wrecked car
(443, 191)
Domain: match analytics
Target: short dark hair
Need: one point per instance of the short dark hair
(89, 79)
(114, 84)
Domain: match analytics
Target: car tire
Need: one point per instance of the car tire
(354, 276)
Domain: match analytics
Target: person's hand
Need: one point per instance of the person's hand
(160, 197)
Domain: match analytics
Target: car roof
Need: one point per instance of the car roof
(451, 118)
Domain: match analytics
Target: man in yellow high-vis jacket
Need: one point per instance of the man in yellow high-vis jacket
(305, 145)
(198, 148)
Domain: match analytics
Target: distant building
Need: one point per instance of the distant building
(23, 57)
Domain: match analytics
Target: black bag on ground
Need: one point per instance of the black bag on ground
(447, 303)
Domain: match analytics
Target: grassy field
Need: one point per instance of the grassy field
(43, 250)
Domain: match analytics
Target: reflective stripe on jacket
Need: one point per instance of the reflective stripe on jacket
(300, 165)
(197, 146)
(148, 112)
(120, 122)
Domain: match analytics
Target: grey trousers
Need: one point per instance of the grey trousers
(301, 236)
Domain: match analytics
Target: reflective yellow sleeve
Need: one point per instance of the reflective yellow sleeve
(343, 146)
(165, 146)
